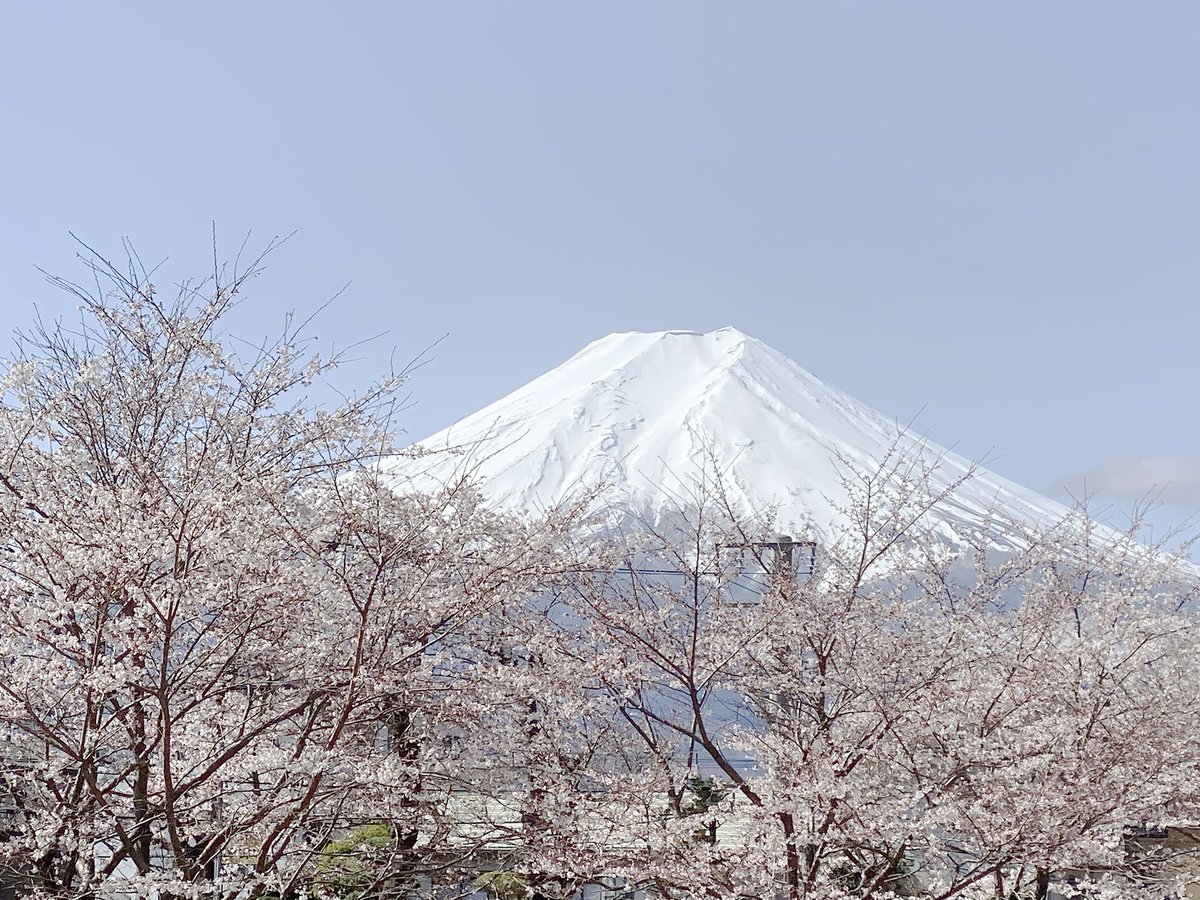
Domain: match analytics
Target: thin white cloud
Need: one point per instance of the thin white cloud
(1172, 480)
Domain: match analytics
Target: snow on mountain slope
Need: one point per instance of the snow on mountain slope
(646, 414)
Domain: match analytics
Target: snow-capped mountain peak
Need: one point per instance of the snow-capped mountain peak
(648, 413)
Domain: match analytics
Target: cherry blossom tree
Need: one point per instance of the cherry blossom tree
(220, 625)
(900, 720)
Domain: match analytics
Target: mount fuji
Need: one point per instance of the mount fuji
(646, 414)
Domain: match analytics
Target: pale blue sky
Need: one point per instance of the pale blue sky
(985, 211)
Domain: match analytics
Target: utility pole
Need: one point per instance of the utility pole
(788, 556)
